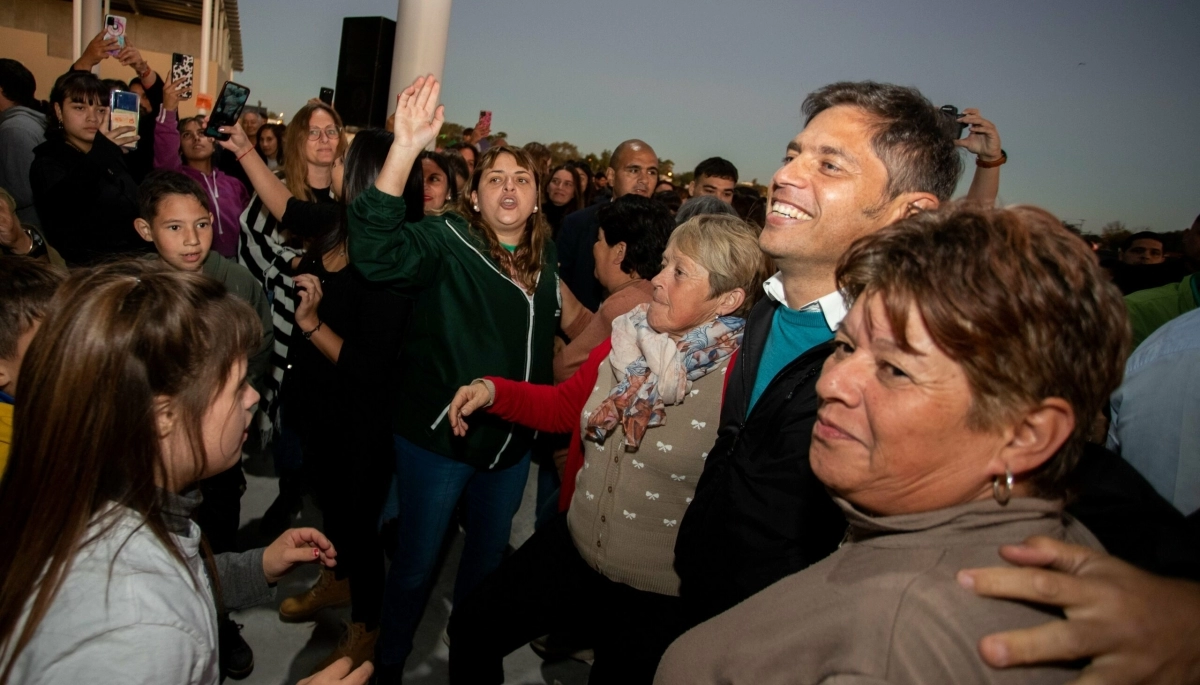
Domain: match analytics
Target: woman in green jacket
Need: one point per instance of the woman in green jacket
(484, 285)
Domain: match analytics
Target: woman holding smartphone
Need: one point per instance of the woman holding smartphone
(85, 195)
(282, 220)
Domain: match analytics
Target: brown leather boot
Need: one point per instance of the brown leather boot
(357, 642)
(327, 592)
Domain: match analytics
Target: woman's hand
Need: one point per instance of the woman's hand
(465, 402)
(238, 143)
(1136, 627)
(308, 287)
(297, 546)
(173, 92)
(983, 139)
(96, 52)
(122, 136)
(129, 56)
(338, 673)
(418, 116)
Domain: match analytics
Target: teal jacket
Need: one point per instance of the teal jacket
(469, 320)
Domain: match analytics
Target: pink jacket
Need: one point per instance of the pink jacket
(226, 195)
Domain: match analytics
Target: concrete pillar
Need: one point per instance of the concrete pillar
(206, 16)
(76, 29)
(422, 27)
(93, 23)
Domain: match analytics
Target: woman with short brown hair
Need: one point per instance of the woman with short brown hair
(980, 345)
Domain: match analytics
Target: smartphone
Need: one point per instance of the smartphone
(182, 67)
(485, 118)
(326, 96)
(123, 110)
(951, 114)
(227, 110)
(114, 27)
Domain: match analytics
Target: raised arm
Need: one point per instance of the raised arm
(166, 128)
(418, 120)
(270, 189)
(984, 142)
(381, 245)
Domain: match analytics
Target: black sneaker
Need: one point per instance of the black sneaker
(237, 659)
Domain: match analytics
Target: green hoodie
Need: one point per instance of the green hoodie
(469, 320)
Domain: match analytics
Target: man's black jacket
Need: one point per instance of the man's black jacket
(759, 514)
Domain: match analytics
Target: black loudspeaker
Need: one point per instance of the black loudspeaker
(365, 70)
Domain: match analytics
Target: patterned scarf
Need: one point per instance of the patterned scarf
(658, 372)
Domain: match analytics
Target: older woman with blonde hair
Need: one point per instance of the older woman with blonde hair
(979, 346)
(642, 410)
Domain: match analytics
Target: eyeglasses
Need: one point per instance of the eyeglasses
(329, 133)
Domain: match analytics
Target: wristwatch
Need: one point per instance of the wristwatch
(994, 163)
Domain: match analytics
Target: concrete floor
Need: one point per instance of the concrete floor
(286, 652)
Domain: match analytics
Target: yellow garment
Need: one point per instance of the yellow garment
(6, 430)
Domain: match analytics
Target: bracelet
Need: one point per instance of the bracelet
(239, 157)
(309, 334)
(992, 164)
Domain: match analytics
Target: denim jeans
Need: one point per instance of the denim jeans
(429, 487)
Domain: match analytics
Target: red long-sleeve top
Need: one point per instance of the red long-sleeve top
(557, 409)
(553, 409)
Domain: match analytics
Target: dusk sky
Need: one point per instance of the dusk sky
(1097, 102)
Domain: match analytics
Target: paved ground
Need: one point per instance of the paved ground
(286, 652)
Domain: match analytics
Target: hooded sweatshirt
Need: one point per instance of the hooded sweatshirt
(227, 197)
(21, 130)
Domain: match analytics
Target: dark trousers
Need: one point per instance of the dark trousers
(544, 587)
(220, 509)
(349, 478)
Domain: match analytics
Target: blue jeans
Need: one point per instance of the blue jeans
(429, 487)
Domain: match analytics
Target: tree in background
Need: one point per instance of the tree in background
(1113, 235)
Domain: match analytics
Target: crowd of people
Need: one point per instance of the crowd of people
(849, 431)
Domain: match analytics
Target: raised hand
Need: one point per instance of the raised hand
(96, 52)
(130, 56)
(418, 116)
(983, 140)
(238, 142)
(297, 546)
(173, 92)
(465, 402)
(1136, 627)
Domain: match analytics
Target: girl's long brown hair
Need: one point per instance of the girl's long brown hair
(295, 163)
(525, 263)
(85, 430)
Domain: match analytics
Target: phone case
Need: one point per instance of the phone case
(182, 66)
(228, 108)
(124, 111)
(114, 27)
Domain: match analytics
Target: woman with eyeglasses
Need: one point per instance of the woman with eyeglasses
(284, 219)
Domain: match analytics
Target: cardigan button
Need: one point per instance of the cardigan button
(602, 519)
(610, 488)
(597, 543)
(616, 459)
